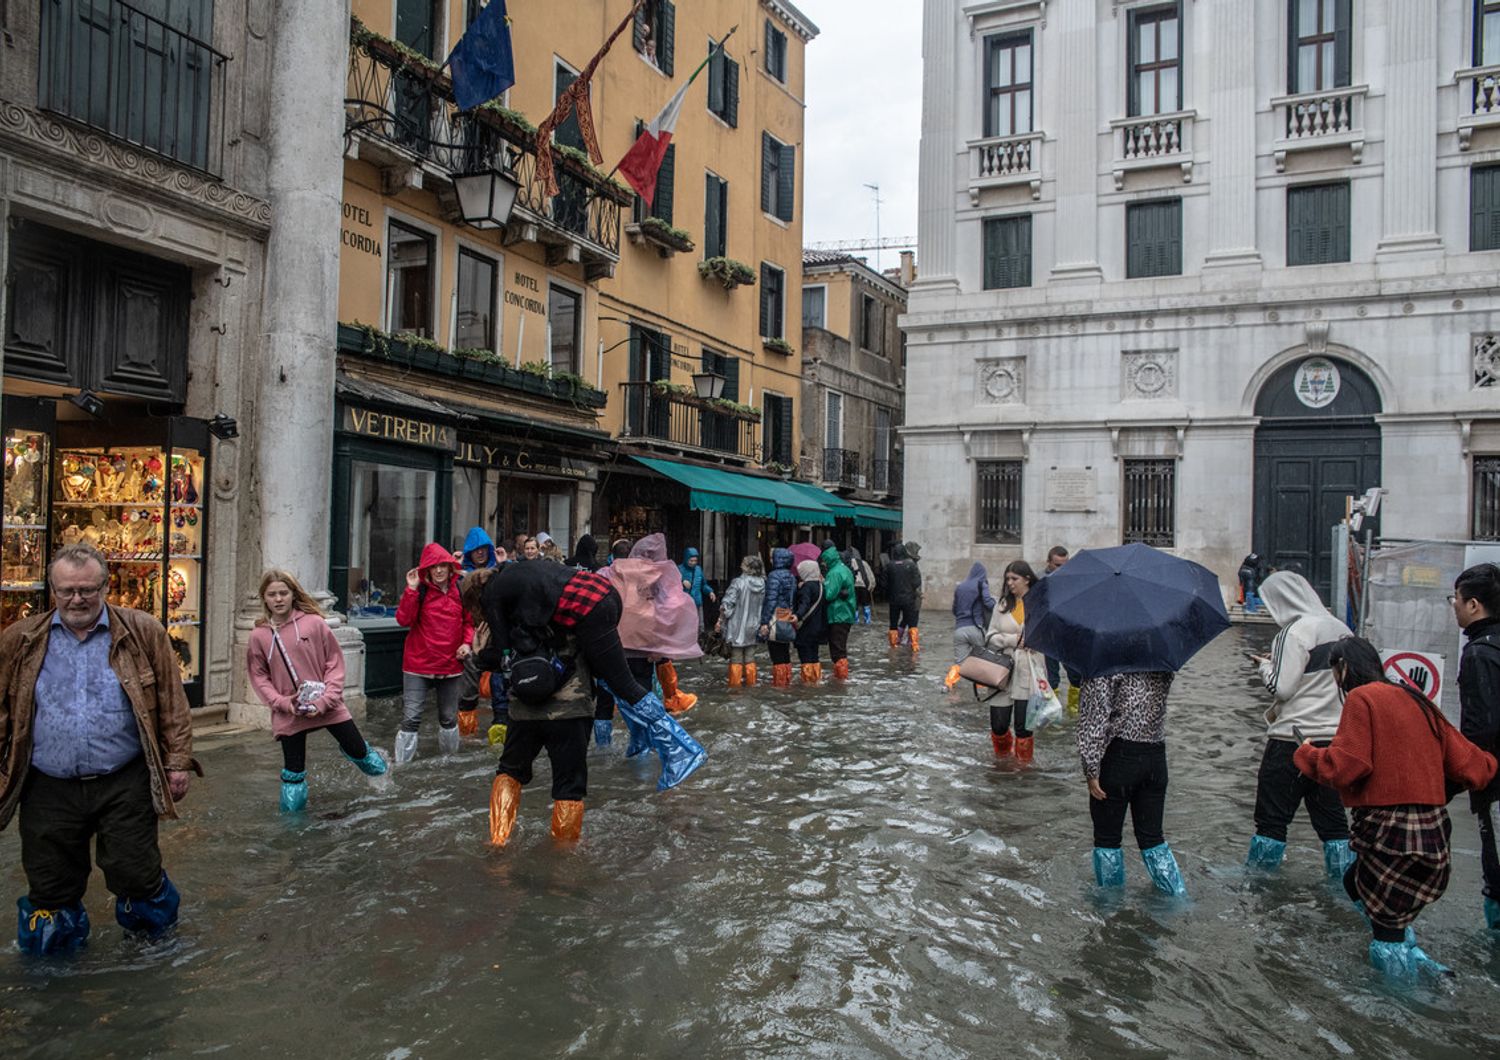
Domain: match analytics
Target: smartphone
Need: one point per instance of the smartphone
(1297, 732)
(1253, 656)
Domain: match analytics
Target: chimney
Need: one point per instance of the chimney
(908, 268)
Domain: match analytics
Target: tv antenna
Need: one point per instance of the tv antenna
(875, 189)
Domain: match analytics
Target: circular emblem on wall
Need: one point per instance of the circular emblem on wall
(1149, 377)
(1316, 382)
(999, 383)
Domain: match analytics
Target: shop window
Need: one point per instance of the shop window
(661, 199)
(775, 52)
(1487, 498)
(563, 323)
(655, 33)
(999, 502)
(1320, 45)
(815, 307)
(477, 276)
(1155, 60)
(1484, 208)
(1151, 502)
(778, 177)
(1007, 252)
(871, 324)
(1153, 238)
(408, 280)
(1008, 76)
(772, 301)
(715, 216)
(776, 439)
(1486, 32)
(468, 498)
(723, 85)
(391, 513)
(1317, 224)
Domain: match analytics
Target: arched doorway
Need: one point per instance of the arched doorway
(1317, 444)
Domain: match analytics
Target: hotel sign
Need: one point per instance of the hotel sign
(389, 427)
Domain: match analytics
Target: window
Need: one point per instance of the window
(1150, 502)
(666, 175)
(999, 502)
(1484, 208)
(1153, 238)
(408, 280)
(568, 134)
(476, 302)
(775, 52)
(1007, 252)
(871, 324)
(1320, 45)
(715, 216)
(1317, 224)
(1487, 498)
(778, 177)
(723, 85)
(1155, 60)
(814, 307)
(880, 463)
(418, 24)
(1007, 63)
(772, 301)
(390, 508)
(655, 33)
(720, 431)
(833, 424)
(1486, 32)
(648, 413)
(563, 324)
(776, 439)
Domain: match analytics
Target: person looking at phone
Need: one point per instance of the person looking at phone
(1476, 608)
(1303, 694)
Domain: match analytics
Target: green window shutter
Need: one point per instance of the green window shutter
(661, 205)
(732, 93)
(1291, 47)
(1343, 41)
(723, 233)
(1132, 56)
(1338, 210)
(1484, 208)
(786, 194)
(660, 365)
(1317, 224)
(716, 78)
(711, 217)
(1153, 239)
(770, 154)
(765, 299)
(784, 439)
(668, 42)
(641, 30)
(730, 369)
(1007, 252)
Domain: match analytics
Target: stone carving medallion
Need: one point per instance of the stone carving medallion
(1002, 381)
(1486, 360)
(1149, 375)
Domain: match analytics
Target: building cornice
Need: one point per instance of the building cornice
(799, 23)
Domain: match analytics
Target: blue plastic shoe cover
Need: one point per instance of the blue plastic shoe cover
(680, 754)
(40, 932)
(1492, 914)
(1337, 857)
(1265, 853)
(1405, 961)
(604, 732)
(1163, 869)
(293, 791)
(152, 916)
(372, 764)
(1109, 866)
(639, 743)
(1411, 936)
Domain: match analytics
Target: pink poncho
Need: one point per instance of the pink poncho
(659, 617)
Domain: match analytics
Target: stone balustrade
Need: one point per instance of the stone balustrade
(1478, 101)
(998, 161)
(1151, 141)
(1310, 120)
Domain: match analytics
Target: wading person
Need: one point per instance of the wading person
(1305, 697)
(864, 584)
(1476, 607)
(296, 667)
(1004, 633)
(781, 594)
(97, 746)
(661, 623)
(439, 640)
(739, 620)
(1057, 558)
(973, 606)
(694, 583)
(904, 592)
(1391, 761)
(478, 555)
(811, 620)
(839, 608)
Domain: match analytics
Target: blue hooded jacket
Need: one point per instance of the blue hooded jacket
(972, 600)
(478, 539)
(696, 586)
(781, 585)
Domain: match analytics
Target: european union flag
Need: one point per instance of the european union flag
(482, 62)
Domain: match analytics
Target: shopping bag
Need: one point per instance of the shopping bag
(1043, 708)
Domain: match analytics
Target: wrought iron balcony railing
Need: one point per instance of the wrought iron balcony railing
(685, 421)
(841, 468)
(885, 476)
(135, 77)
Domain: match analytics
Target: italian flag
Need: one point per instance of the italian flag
(641, 162)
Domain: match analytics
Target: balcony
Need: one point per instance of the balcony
(885, 476)
(400, 116)
(841, 469)
(1153, 141)
(134, 77)
(1478, 101)
(1003, 161)
(1313, 120)
(688, 423)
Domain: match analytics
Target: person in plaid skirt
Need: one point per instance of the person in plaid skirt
(1392, 761)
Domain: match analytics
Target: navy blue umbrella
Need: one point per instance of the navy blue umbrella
(1131, 609)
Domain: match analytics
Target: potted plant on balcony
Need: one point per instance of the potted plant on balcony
(655, 232)
(781, 346)
(746, 412)
(728, 271)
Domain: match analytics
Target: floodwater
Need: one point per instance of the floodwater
(851, 875)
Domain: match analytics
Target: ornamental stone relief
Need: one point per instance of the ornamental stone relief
(1148, 375)
(1002, 381)
(1486, 360)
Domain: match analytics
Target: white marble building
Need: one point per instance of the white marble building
(1193, 271)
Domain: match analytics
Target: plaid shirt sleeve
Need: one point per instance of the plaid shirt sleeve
(580, 596)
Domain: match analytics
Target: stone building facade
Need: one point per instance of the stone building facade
(1195, 272)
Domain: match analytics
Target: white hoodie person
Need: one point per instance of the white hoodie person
(1304, 696)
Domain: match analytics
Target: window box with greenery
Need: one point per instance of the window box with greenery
(653, 231)
(727, 271)
(780, 346)
(685, 395)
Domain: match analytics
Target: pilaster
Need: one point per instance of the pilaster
(937, 187)
(1231, 110)
(1410, 184)
(1073, 37)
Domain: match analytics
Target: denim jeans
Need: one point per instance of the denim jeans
(414, 699)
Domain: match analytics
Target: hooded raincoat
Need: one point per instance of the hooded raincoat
(838, 588)
(437, 621)
(973, 603)
(1297, 674)
(695, 585)
(585, 554)
(812, 623)
(740, 611)
(781, 585)
(478, 539)
(659, 619)
(904, 580)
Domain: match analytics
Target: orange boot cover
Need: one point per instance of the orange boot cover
(750, 676)
(895, 635)
(676, 702)
(809, 673)
(781, 674)
(485, 687)
(951, 679)
(736, 675)
(1002, 742)
(468, 722)
(567, 820)
(505, 800)
(1024, 748)
(841, 669)
(916, 640)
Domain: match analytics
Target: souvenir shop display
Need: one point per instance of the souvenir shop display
(23, 543)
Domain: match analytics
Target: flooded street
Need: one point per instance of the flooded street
(851, 875)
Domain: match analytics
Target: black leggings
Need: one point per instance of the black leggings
(598, 636)
(1488, 861)
(1134, 778)
(1000, 715)
(907, 615)
(1281, 788)
(1380, 934)
(781, 652)
(294, 746)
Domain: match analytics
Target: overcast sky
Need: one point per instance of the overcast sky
(864, 109)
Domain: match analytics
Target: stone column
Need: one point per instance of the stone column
(1229, 74)
(937, 186)
(1072, 35)
(1410, 156)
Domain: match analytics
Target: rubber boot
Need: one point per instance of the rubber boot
(293, 791)
(505, 800)
(841, 670)
(406, 746)
(1003, 743)
(447, 740)
(680, 754)
(372, 764)
(567, 820)
(1492, 914)
(781, 675)
(868, 619)
(1073, 700)
(1405, 962)
(750, 675)
(952, 678)
(916, 640)
(604, 732)
(676, 701)
(1265, 853)
(736, 675)
(496, 734)
(1025, 748)
(44, 932)
(1337, 857)
(895, 636)
(153, 916)
(468, 723)
(809, 673)
(1109, 866)
(1164, 871)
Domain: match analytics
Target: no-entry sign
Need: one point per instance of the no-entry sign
(1420, 670)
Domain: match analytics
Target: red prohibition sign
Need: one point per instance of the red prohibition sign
(1393, 667)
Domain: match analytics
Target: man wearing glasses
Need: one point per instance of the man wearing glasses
(97, 742)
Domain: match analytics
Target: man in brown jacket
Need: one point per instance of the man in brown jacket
(95, 740)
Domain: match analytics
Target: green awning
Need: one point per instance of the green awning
(836, 505)
(797, 502)
(713, 489)
(877, 518)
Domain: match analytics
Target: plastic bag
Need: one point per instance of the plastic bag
(1043, 708)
